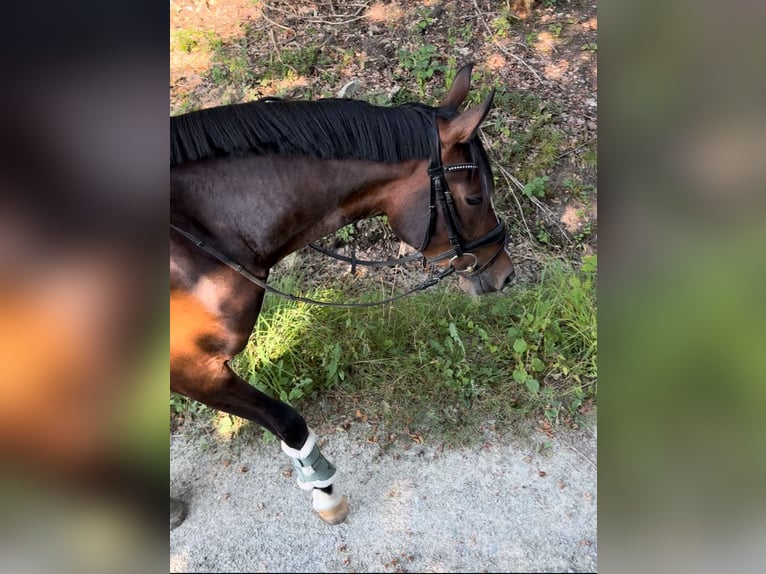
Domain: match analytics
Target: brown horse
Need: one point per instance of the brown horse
(251, 183)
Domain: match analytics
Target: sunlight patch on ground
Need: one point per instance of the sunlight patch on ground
(224, 16)
(227, 426)
(188, 54)
(496, 62)
(289, 82)
(546, 42)
(575, 216)
(399, 499)
(555, 70)
(383, 13)
(178, 562)
(190, 20)
(522, 9)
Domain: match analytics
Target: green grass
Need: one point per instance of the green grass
(439, 363)
(187, 40)
(233, 63)
(503, 24)
(230, 63)
(421, 65)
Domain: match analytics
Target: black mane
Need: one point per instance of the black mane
(331, 128)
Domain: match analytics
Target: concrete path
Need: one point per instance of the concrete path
(507, 505)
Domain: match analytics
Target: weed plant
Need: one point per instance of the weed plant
(441, 362)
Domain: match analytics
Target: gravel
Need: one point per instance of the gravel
(509, 504)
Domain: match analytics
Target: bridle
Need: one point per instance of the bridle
(440, 192)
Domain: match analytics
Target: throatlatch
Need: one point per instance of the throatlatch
(312, 468)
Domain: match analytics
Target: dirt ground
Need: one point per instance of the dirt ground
(545, 50)
(543, 53)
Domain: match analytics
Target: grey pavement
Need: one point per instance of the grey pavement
(508, 504)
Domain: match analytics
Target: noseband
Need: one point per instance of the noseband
(440, 192)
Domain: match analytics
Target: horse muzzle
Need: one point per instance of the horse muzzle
(491, 277)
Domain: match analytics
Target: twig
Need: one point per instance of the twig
(502, 48)
(356, 15)
(315, 21)
(516, 199)
(270, 7)
(276, 49)
(547, 213)
(511, 180)
(582, 145)
(263, 13)
(590, 462)
(549, 216)
(536, 202)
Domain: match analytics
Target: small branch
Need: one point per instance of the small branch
(337, 23)
(510, 179)
(269, 20)
(574, 149)
(589, 461)
(352, 16)
(502, 48)
(549, 215)
(276, 49)
(511, 182)
(275, 9)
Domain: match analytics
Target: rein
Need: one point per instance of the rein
(354, 261)
(266, 287)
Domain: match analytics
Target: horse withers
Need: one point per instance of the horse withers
(251, 183)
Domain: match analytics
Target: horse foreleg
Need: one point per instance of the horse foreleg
(227, 392)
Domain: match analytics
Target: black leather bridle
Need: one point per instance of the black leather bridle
(440, 192)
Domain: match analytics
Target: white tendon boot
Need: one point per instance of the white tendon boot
(314, 472)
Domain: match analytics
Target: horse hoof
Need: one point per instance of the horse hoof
(335, 515)
(177, 512)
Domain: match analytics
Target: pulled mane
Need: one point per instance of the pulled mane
(324, 129)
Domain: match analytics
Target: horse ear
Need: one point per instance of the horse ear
(460, 86)
(463, 127)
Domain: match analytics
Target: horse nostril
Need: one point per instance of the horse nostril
(510, 277)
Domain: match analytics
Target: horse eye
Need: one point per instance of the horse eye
(473, 200)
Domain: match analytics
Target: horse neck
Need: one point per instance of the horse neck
(273, 205)
(322, 196)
